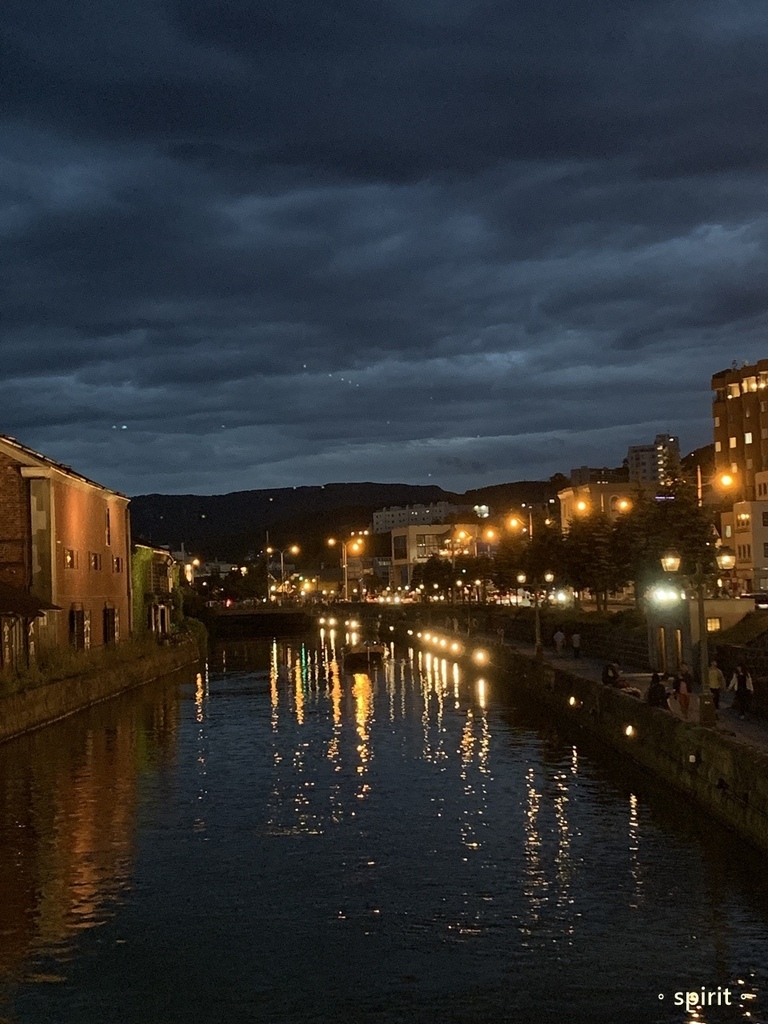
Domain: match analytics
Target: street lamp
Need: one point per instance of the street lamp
(670, 562)
(356, 546)
(293, 550)
(548, 578)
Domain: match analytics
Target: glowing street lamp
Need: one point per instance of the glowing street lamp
(355, 546)
(548, 578)
(670, 562)
(293, 550)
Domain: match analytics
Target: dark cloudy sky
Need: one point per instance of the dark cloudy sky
(258, 243)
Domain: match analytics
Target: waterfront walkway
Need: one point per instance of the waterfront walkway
(751, 730)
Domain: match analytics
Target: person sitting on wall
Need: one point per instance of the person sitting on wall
(612, 677)
(657, 692)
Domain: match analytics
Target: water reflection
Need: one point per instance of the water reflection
(378, 847)
(68, 805)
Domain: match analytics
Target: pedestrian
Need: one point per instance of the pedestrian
(559, 639)
(685, 673)
(576, 645)
(742, 684)
(716, 682)
(657, 693)
(682, 687)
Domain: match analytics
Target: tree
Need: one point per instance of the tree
(589, 564)
(436, 574)
(672, 521)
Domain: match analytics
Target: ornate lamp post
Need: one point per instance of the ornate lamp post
(356, 546)
(293, 550)
(548, 578)
(670, 562)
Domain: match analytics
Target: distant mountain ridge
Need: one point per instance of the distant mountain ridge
(231, 525)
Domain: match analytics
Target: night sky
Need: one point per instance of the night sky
(273, 243)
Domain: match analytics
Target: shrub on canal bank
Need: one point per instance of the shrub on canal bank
(61, 663)
(196, 629)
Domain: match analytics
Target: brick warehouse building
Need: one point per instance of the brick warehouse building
(65, 542)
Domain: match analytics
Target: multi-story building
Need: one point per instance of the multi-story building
(744, 528)
(414, 545)
(600, 496)
(155, 575)
(387, 519)
(740, 415)
(657, 463)
(64, 541)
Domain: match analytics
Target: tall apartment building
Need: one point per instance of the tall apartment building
(387, 519)
(655, 463)
(740, 416)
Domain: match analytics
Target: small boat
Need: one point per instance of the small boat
(361, 656)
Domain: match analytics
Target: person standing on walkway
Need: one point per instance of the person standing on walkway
(716, 682)
(657, 692)
(559, 639)
(576, 645)
(742, 684)
(683, 685)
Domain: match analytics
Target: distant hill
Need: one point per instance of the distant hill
(228, 526)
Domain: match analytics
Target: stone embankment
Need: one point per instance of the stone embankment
(41, 705)
(725, 773)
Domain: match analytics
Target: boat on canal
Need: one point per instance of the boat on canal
(363, 655)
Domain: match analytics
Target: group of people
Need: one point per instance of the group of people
(679, 687)
(559, 640)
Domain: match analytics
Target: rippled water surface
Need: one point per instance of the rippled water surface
(280, 842)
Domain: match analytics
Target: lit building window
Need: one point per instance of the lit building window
(718, 446)
(713, 625)
(748, 437)
(70, 558)
(731, 442)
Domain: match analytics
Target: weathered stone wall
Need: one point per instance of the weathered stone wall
(31, 709)
(726, 776)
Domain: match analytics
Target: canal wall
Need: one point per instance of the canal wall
(726, 776)
(30, 709)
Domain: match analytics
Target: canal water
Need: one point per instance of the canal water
(277, 841)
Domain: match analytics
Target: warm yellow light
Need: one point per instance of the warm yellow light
(670, 562)
(514, 523)
(331, 541)
(624, 505)
(549, 576)
(726, 559)
(490, 534)
(726, 480)
(629, 731)
(581, 506)
(480, 656)
(521, 577)
(294, 549)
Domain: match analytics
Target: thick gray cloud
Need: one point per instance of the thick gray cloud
(252, 245)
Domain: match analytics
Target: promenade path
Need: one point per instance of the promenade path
(751, 730)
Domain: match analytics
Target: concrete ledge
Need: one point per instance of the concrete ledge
(726, 776)
(32, 709)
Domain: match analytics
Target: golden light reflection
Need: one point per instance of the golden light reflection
(536, 884)
(362, 691)
(634, 851)
(298, 691)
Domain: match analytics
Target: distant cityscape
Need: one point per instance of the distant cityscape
(85, 566)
